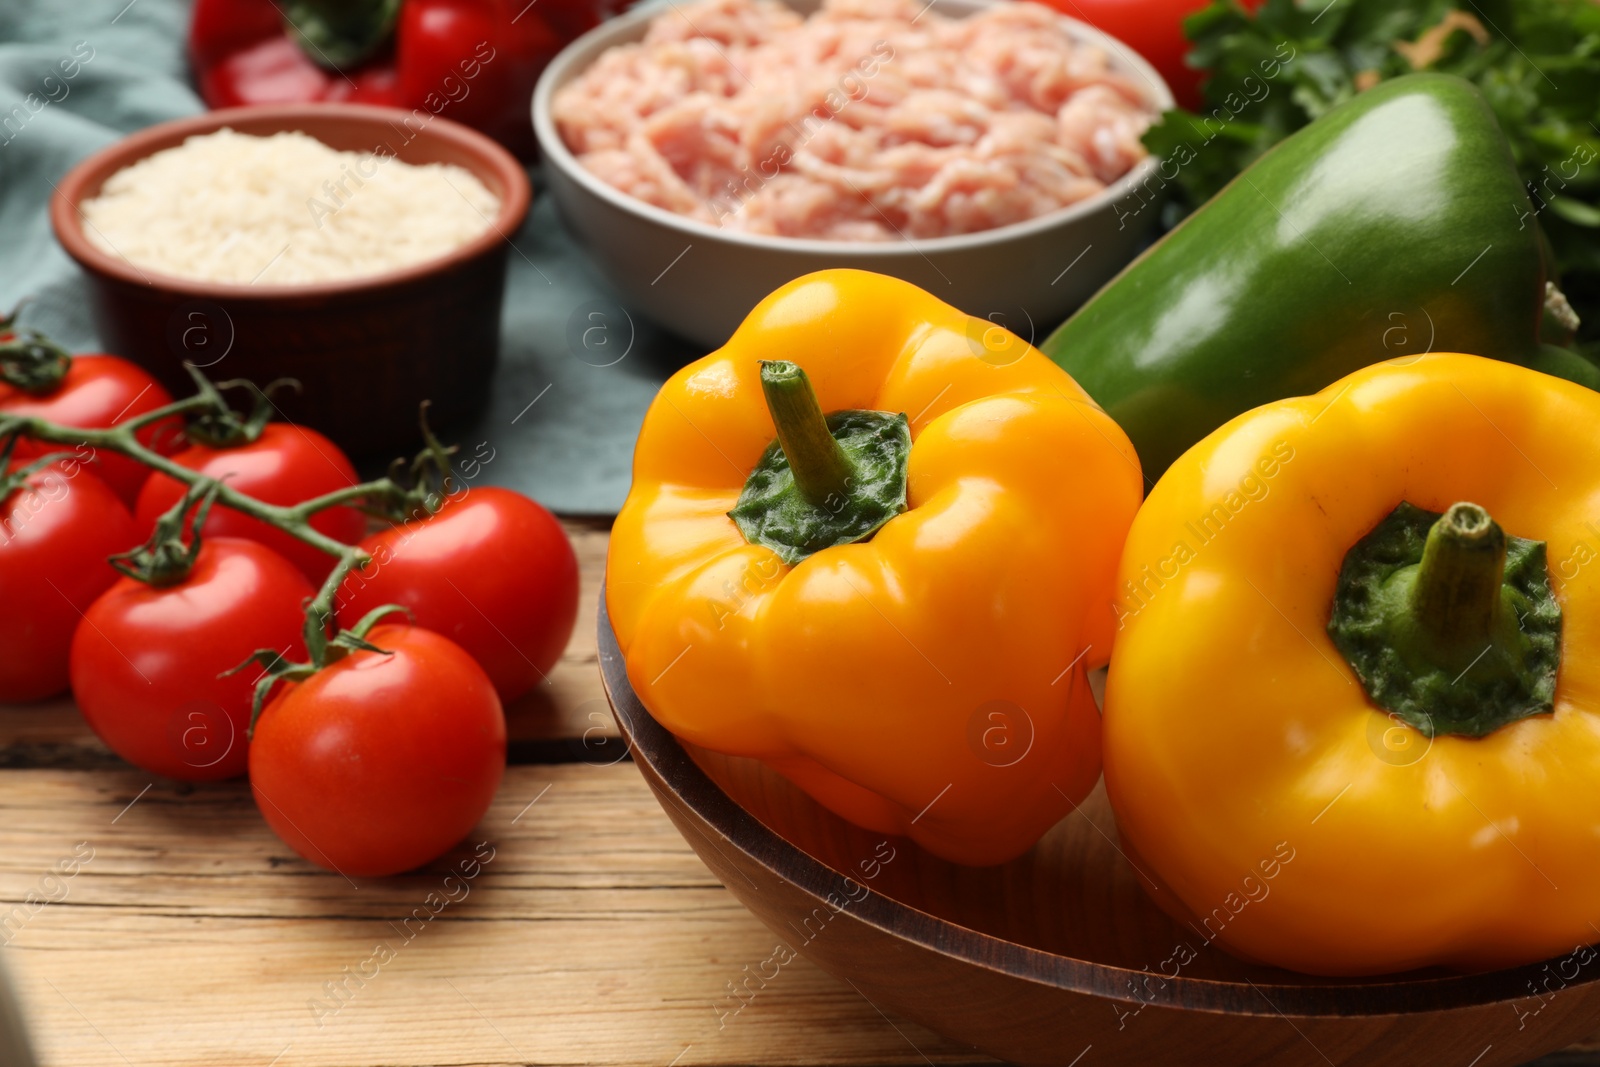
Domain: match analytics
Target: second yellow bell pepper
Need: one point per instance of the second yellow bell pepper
(1352, 722)
(907, 644)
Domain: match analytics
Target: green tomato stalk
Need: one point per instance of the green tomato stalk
(165, 558)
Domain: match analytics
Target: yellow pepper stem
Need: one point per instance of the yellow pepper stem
(1457, 595)
(1450, 623)
(825, 481)
(822, 471)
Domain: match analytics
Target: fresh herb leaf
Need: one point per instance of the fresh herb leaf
(1537, 62)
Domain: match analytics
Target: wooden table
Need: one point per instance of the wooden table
(591, 934)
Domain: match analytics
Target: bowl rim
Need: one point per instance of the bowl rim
(661, 756)
(576, 56)
(66, 216)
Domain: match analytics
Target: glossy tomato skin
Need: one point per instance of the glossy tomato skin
(98, 392)
(484, 57)
(146, 662)
(380, 763)
(491, 570)
(55, 535)
(285, 465)
(1154, 29)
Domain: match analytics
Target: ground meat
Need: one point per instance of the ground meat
(871, 120)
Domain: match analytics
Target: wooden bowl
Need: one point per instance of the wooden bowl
(1059, 957)
(366, 351)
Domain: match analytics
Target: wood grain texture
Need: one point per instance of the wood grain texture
(1060, 953)
(566, 719)
(592, 935)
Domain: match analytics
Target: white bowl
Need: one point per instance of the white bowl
(700, 281)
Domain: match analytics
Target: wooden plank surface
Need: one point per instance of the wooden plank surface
(190, 935)
(591, 934)
(587, 933)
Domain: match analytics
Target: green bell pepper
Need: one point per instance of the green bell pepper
(1394, 225)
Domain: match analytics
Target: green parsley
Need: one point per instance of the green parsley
(1536, 61)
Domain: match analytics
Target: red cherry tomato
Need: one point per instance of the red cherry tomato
(470, 60)
(97, 392)
(146, 661)
(1154, 29)
(379, 763)
(492, 570)
(55, 535)
(285, 465)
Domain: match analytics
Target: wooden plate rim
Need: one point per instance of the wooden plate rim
(659, 755)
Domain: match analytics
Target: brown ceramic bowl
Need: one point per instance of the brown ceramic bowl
(1059, 957)
(366, 351)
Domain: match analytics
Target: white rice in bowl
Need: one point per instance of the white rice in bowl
(283, 210)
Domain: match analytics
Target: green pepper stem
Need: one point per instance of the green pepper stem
(335, 34)
(1449, 622)
(1456, 598)
(822, 471)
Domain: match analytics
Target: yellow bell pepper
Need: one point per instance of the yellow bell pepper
(1352, 721)
(924, 676)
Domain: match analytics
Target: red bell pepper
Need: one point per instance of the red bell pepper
(474, 61)
(1154, 29)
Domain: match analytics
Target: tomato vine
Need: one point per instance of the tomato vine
(325, 641)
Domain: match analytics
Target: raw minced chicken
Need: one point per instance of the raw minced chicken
(871, 120)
